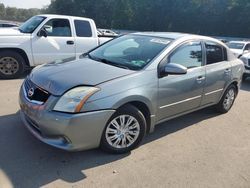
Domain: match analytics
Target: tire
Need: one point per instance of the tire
(227, 100)
(125, 141)
(12, 65)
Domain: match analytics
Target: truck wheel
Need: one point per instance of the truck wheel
(124, 131)
(12, 65)
(227, 100)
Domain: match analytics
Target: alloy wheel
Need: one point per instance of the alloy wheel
(122, 131)
(229, 99)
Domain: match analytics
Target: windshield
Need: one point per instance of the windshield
(235, 45)
(31, 24)
(130, 51)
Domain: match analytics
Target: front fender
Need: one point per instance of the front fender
(18, 43)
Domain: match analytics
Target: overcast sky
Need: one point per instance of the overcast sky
(25, 3)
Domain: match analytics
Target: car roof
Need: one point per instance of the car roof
(176, 36)
(63, 16)
(180, 36)
(169, 35)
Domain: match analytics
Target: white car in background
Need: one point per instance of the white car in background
(246, 60)
(239, 47)
(107, 32)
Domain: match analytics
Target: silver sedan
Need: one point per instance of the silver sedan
(114, 95)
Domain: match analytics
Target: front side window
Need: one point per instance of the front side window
(247, 47)
(30, 25)
(188, 55)
(214, 53)
(130, 51)
(58, 28)
(83, 28)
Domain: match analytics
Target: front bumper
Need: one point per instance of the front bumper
(71, 132)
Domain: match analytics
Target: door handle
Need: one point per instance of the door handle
(200, 79)
(70, 42)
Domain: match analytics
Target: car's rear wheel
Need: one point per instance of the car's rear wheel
(227, 100)
(124, 131)
(12, 65)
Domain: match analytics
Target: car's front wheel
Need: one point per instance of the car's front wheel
(124, 131)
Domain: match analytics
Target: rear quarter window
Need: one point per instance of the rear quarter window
(83, 28)
(215, 53)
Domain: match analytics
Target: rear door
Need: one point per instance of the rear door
(182, 93)
(218, 72)
(58, 45)
(86, 39)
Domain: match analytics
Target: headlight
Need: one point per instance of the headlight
(73, 100)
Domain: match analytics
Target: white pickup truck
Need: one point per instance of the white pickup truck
(43, 39)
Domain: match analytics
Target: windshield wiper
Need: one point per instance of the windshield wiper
(112, 63)
(105, 61)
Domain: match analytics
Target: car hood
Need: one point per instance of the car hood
(10, 32)
(57, 78)
(236, 51)
(246, 55)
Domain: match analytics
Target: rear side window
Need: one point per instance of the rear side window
(83, 28)
(215, 53)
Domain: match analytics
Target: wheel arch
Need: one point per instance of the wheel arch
(142, 104)
(19, 51)
(234, 83)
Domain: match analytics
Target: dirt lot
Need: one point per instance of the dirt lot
(202, 149)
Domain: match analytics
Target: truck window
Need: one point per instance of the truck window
(83, 28)
(31, 24)
(58, 28)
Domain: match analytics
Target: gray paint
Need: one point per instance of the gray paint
(166, 98)
(60, 77)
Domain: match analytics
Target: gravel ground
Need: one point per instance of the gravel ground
(202, 149)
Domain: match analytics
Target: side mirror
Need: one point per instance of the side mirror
(173, 69)
(42, 33)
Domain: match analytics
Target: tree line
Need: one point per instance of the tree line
(17, 14)
(207, 17)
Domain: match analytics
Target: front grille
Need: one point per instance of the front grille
(35, 93)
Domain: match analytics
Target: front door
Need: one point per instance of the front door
(58, 45)
(182, 93)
